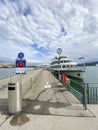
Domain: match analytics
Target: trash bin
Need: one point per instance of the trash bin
(14, 98)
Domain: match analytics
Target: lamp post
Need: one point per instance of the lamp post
(59, 51)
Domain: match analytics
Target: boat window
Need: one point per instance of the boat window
(64, 66)
(59, 67)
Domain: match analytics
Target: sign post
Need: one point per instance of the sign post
(20, 65)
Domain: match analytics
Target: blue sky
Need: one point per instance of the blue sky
(38, 27)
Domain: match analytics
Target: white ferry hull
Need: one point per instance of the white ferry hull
(75, 74)
(70, 73)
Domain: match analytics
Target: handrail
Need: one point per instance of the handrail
(76, 91)
(76, 82)
(81, 96)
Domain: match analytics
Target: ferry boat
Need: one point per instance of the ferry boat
(64, 65)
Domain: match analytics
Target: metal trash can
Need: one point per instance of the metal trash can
(14, 98)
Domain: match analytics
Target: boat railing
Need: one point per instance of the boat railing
(81, 68)
(76, 68)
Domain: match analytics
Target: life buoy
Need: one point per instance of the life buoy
(65, 79)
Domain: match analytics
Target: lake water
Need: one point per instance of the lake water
(8, 72)
(91, 74)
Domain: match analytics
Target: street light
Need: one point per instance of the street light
(59, 51)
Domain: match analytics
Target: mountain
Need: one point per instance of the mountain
(89, 63)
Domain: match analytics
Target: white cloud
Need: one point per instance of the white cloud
(39, 27)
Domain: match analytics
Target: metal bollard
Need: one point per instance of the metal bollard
(14, 98)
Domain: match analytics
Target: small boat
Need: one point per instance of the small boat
(64, 65)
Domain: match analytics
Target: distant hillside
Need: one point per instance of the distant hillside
(93, 63)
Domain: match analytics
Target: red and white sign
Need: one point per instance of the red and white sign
(20, 66)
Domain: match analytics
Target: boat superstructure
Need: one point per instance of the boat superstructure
(66, 65)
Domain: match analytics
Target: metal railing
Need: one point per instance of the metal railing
(27, 81)
(80, 95)
(92, 93)
(85, 92)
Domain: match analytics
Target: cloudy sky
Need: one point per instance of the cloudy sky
(38, 27)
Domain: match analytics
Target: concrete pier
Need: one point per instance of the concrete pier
(43, 96)
(49, 96)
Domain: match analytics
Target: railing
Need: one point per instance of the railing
(84, 90)
(27, 81)
(72, 87)
(81, 95)
(92, 93)
(10, 72)
(77, 94)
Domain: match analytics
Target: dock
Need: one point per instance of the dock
(42, 96)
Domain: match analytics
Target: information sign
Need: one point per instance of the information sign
(20, 55)
(21, 63)
(20, 66)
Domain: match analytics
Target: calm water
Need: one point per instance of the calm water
(7, 72)
(91, 74)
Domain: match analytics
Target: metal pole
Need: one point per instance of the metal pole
(88, 92)
(84, 97)
(68, 87)
(59, 70)
(21, 80)
(31, 82)
(10, 79)
(59, 51)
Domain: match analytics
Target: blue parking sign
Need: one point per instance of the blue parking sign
(20, 55)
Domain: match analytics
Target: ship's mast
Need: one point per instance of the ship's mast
(59, 51)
